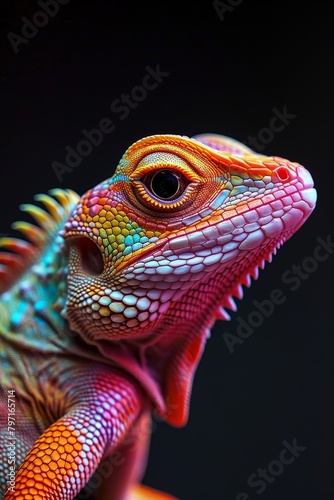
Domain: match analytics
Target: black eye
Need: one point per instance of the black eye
(164, 188)
(165, 184)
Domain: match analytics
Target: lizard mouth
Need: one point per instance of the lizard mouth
(94, 262)
(282, 228)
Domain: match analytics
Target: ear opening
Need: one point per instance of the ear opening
(90, 255)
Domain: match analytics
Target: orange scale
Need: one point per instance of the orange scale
(39, 481)
(103, 201)
(67, 447)
(55, 456)
(45, 467)
(51, 475)
(32, 491)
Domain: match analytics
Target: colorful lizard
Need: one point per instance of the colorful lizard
(108, 302)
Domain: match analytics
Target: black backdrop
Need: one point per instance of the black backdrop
(224, 68)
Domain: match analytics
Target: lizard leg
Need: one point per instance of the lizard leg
(118, 476)
(100, 410)
(135, 448)
(14, 446)
(126, 465)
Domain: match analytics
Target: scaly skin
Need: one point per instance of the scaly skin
(105, 311)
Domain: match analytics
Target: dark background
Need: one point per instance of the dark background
(224, 76)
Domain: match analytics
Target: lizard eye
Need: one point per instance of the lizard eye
(165, 184)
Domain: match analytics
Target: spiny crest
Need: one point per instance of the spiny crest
(17, 255)
(245, 280)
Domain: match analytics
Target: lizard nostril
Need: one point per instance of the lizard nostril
(282, 173)
(91, 256)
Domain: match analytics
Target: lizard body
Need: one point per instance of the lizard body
(107, 304)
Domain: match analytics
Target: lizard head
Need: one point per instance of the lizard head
(173, 235)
